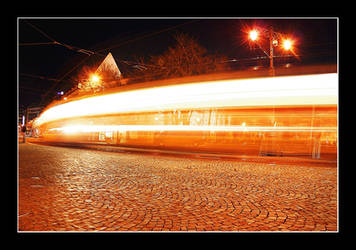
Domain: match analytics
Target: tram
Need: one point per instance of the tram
(269, 116)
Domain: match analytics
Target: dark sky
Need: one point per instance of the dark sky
(128, 39)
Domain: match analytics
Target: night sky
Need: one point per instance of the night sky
(128, 39)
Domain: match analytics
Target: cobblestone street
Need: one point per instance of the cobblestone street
(72, 189)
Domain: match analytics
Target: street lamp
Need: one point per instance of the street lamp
(253, 35)
(95, 78)
(273, 38)
(287, 44)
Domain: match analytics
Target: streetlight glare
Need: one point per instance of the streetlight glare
(253, 35)
(287, 44)
(95, 78)
(275, 43)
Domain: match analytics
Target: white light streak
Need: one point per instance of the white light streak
(287, 90)
(124, 128)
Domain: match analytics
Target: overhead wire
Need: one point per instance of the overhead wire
(115, 46)
(34, 44)
(55, 42)
(40, 31)
(61, 79)
(148, 35)
(31, 89)
(40, 77)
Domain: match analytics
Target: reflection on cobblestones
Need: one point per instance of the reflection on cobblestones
(62, 189)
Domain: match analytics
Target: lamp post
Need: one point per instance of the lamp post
(272, 72)
(273, 38)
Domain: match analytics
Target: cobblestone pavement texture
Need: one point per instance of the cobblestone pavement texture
(66, 189)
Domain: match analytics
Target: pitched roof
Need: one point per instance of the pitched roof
(109, 68)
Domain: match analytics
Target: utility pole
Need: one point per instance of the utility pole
(272, 72)
(274, 38)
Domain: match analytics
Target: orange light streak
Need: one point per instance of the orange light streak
(72, 129)
(287, 90)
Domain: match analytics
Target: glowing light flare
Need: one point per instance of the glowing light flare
(275, 43)
(95, 78)
(253, 35)
(287, 90)
(287, 44)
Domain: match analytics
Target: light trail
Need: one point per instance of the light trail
(123, 128)
(287, 90)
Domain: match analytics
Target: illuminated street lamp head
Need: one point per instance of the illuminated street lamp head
(287, 44)
(95, 78)
(275, 43)
(253, 35)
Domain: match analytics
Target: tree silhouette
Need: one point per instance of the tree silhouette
(186, 58)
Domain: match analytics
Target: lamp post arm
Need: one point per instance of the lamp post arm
(263, 50)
